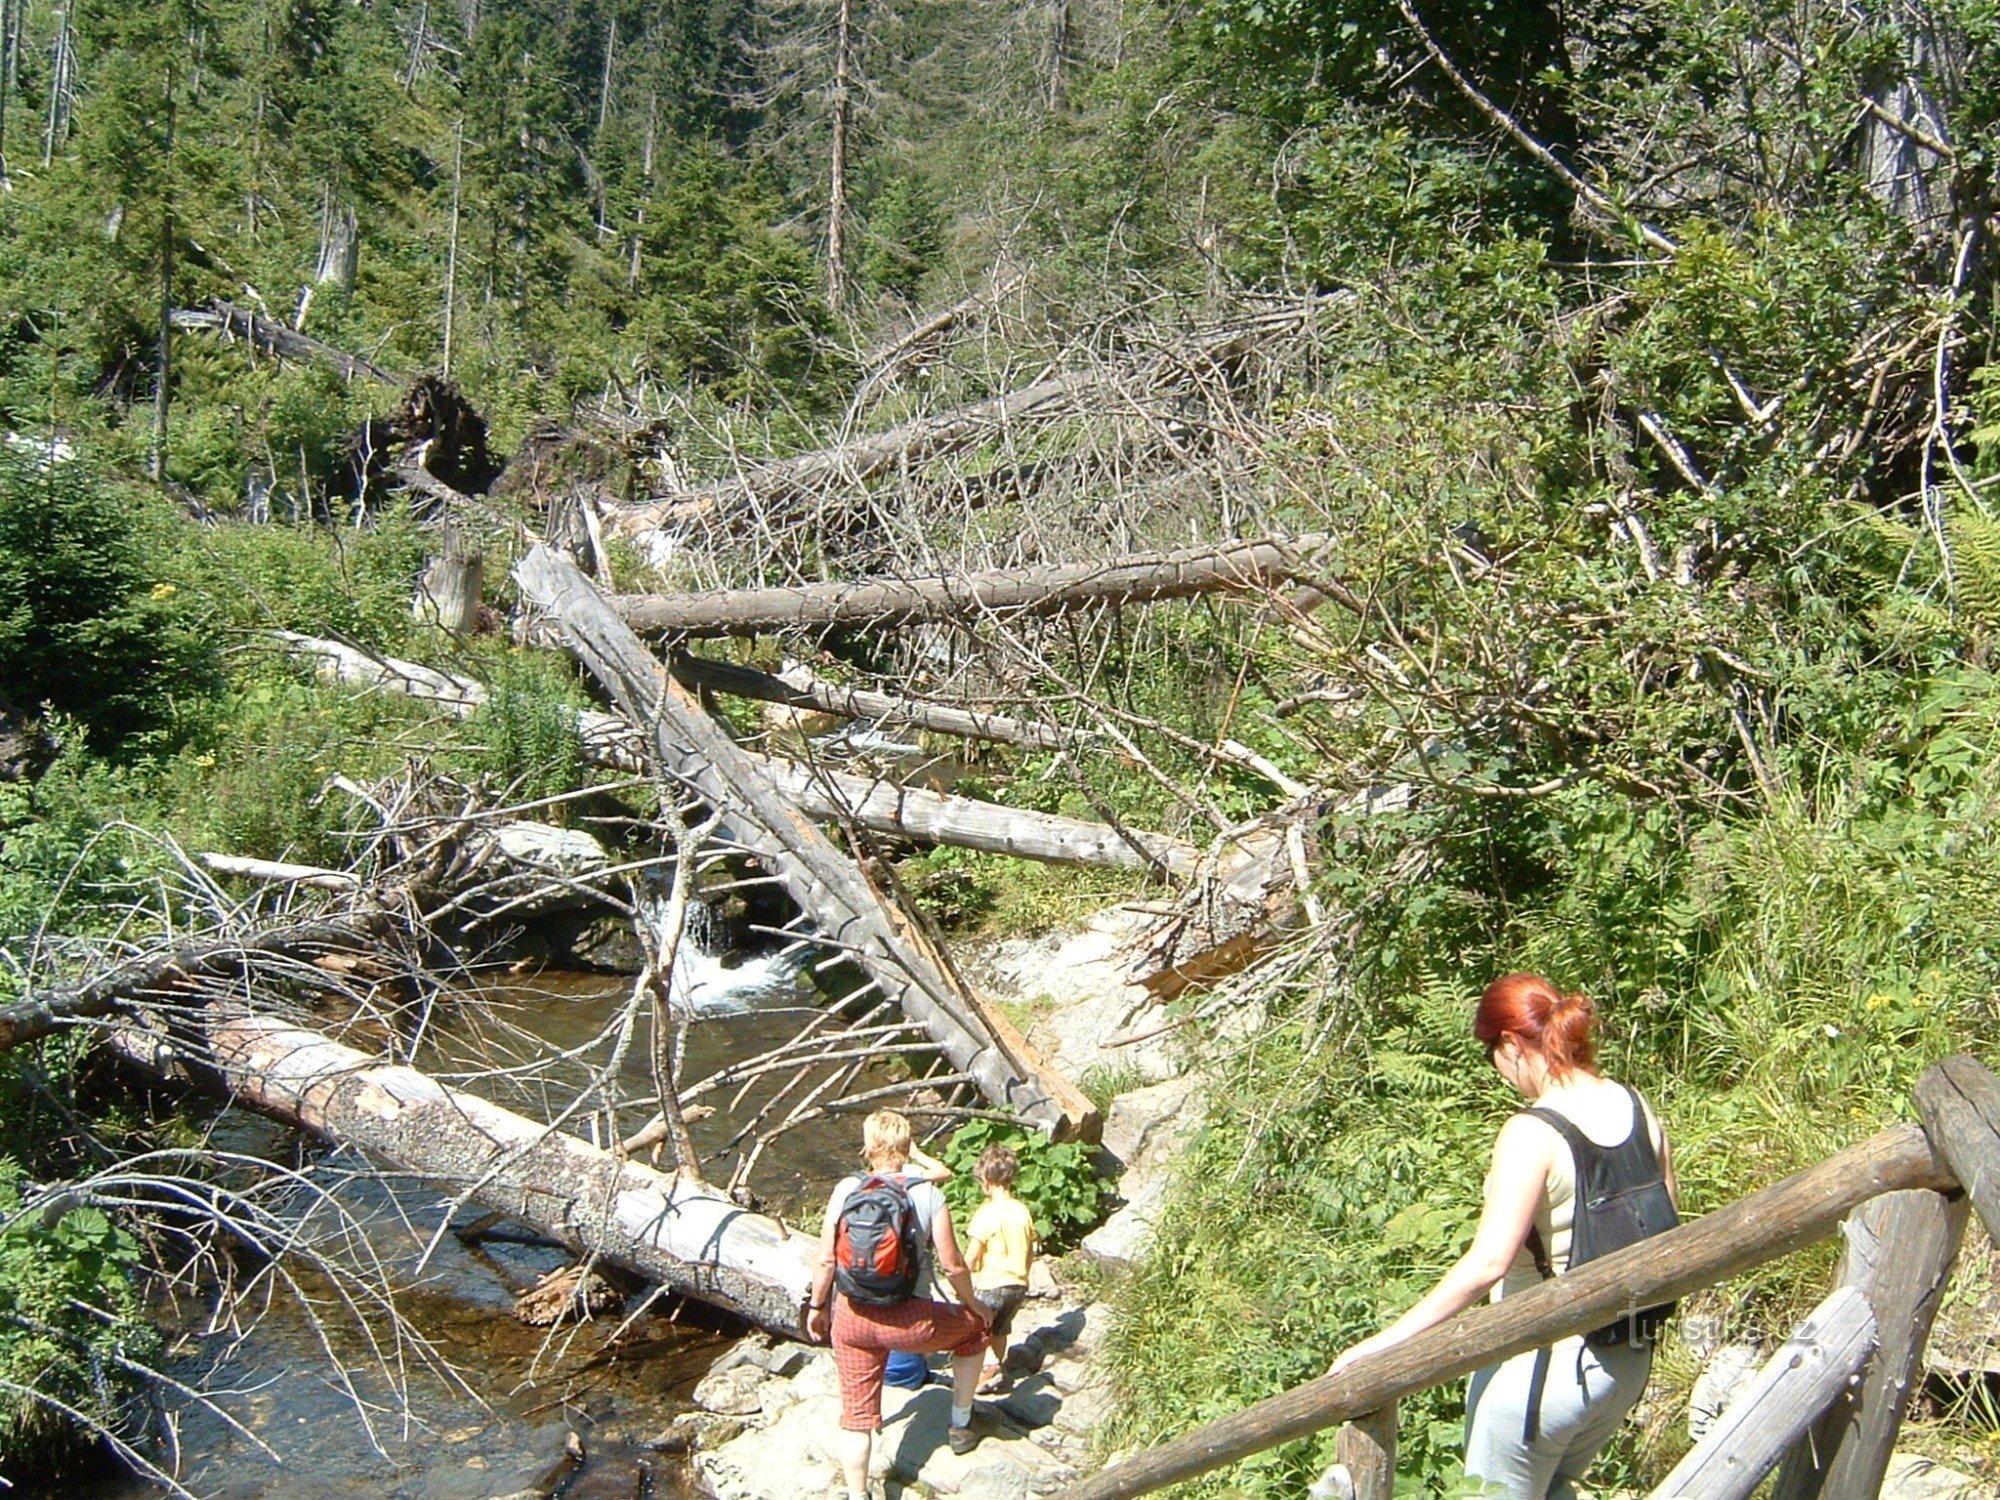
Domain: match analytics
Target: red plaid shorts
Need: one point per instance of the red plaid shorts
(863, 1338)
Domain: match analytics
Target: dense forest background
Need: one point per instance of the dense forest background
(1644, 420)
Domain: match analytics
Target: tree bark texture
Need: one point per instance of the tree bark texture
(1795, 1385)
(851, 914)
(1236, 567)
(1900, 1252)
(1793, 1213)
(1367, 1449)
(687, 1236)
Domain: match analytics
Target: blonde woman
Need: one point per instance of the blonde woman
(864, 1334)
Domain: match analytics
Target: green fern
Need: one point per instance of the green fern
(1975, 550)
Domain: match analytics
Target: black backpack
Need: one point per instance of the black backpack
(1621, 1199)
(878, 1243)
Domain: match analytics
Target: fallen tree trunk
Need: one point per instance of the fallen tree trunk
(1141, 577)
(683, 1234)
(152, 976)
(274, 337)
(849, 911)
(784, 479)
(881, 807)
(859, 703)
(964, 823)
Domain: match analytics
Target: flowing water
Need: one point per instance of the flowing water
(525, 1391)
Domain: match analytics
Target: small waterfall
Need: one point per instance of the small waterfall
(714, 973)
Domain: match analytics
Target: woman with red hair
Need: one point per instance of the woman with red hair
(1534, 1423)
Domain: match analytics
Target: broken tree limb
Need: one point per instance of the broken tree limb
(1207, 353)
(44, 1011)
(278, 872)
(686, 1236)
(274, 337)
(913, 813)
(848, 910)
(850, 463)
(1237, 567)
(858, 703)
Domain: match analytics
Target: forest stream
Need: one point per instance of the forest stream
(527, 1389)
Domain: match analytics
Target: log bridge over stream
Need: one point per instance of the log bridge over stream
(1824, 1410)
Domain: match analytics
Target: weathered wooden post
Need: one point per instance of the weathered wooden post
(1900, 1250)
(1795, 1385)
(1366, 1447)
(1959, 1102)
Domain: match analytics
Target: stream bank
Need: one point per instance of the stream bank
(767, 1416)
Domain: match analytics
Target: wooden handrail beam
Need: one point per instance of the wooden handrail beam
(1803, 1208)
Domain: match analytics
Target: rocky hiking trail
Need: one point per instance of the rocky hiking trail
(771, 1415)
(768, 1411)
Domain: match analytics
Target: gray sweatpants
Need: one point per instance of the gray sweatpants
(1585, 1394)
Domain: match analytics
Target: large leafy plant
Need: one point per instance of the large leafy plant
(71, 1329)
(86, 625)
(1059, 1183)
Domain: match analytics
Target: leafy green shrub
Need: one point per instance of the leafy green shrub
(256, 784)
(70, 1310)
(63, 868)
(1059, 1183)
(528, 727)
(87, 625)
(355, 584)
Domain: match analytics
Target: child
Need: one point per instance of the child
(999, 1247)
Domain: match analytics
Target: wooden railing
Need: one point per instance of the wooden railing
(1902, 1244)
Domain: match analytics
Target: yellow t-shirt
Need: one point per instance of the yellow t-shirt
(999, 1243)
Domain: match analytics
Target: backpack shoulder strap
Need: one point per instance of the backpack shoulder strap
(1580, 1147)
(1642, 1131)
